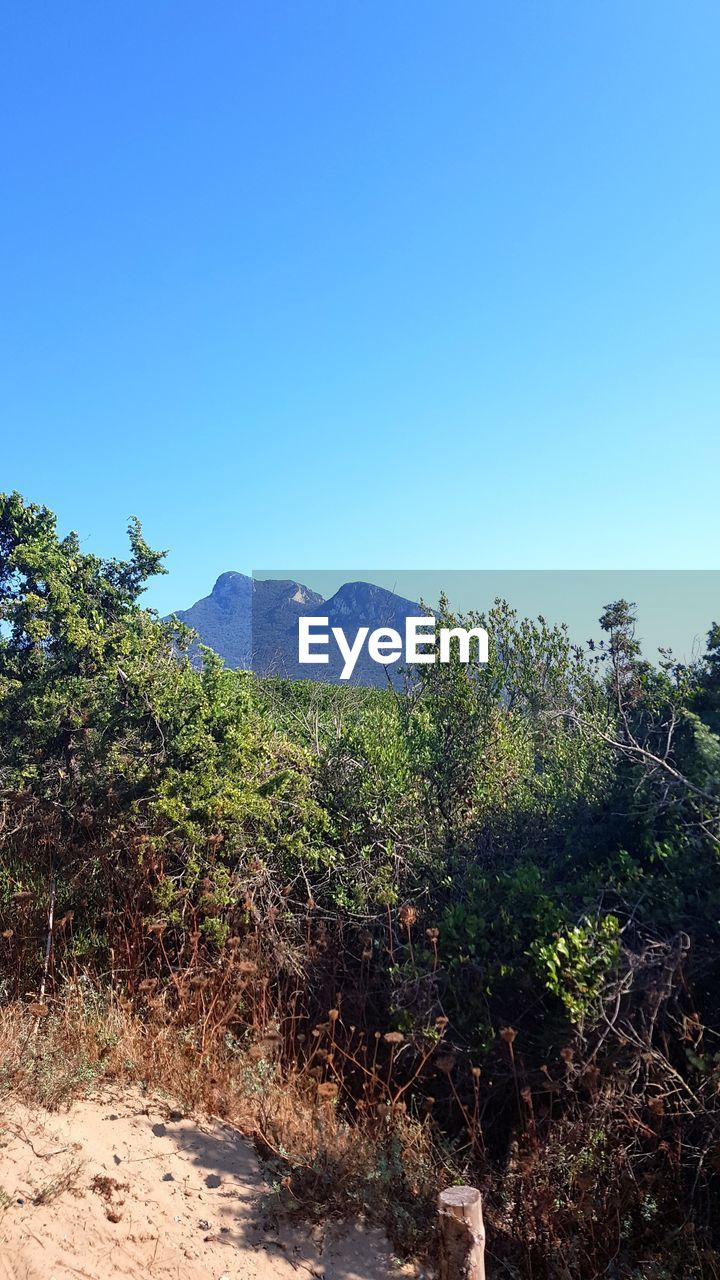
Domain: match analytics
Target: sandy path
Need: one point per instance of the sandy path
(122, 1187)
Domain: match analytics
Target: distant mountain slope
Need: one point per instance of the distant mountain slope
(362, 604)
(253, 623)
(239, 607)
(222, 620)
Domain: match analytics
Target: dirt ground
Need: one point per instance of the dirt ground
(122, 1187)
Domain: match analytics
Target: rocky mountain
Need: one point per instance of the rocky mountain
(253, 623)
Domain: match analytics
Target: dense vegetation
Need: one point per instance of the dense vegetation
(477, 921)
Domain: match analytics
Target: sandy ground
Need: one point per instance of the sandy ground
(122, 1187)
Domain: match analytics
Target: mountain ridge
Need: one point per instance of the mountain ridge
(252, 623)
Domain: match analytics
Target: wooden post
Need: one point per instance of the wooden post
(462, 1234)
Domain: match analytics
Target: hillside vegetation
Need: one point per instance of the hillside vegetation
(469, 930)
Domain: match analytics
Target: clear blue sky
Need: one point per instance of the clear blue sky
(391, 282)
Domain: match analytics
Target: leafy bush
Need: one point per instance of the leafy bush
(484, 911)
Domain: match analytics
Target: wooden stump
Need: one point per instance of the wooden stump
(462, 1234)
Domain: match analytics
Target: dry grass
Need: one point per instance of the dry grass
(383, 1166)
(320, 1163)
(597, 1183)
(86, 1040)
(65, 1180)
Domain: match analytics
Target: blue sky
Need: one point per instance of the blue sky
(392, 283)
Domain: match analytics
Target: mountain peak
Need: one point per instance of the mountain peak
(230, 584)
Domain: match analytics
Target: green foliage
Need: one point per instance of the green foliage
(577, 964)
(498, 846)
(126, 748)
(487, 795)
